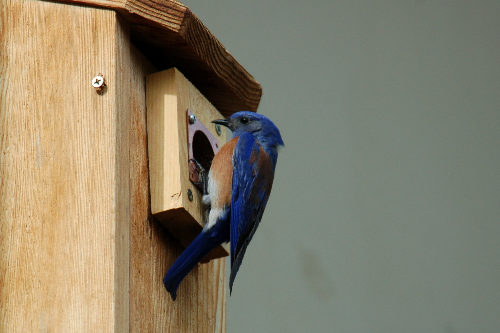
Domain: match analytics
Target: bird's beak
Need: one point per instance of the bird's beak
(222, 122)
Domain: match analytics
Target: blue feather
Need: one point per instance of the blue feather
(254, 159)
(202, 245)
(250, 193)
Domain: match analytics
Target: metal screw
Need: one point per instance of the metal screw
(218, 129)
(190, 194)
(98, 82)
(192, 119)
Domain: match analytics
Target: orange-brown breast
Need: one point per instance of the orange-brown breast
(222, 174)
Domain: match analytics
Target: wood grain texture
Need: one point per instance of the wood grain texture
(79, 249)
(122, 198)
(64, 206)
(168, 96)
(170, 35)
(201, 302)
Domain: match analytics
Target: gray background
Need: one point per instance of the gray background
(385, 211)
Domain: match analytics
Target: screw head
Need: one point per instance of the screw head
(98, 82)
(218, 129)
(192, 118)
(190, 194)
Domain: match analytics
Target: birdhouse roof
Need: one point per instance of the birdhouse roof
(170, 35)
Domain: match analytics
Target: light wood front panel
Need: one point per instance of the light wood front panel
(64, 212)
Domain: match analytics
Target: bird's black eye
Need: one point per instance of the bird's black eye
(244, 120)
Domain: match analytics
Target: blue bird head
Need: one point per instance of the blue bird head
(262, 128)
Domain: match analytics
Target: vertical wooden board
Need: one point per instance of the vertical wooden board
(201, 302)
(62, 193)
(147, 249)
(164, 161)
(122, 198)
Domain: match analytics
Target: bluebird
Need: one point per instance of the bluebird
(239, 183)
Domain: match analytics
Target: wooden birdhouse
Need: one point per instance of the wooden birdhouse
(105, 132)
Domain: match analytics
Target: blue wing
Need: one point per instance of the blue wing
(253, 175)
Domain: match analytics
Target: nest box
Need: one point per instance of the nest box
(105, 118)
(182, 142)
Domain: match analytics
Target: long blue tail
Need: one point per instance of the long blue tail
(202, 245)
